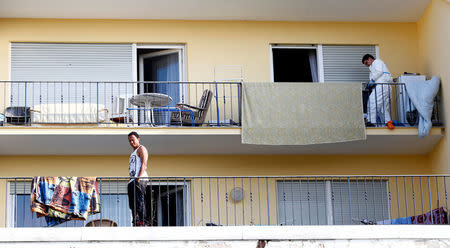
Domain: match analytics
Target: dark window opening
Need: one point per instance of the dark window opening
(294, 65)
(166, 204)
(149, 74)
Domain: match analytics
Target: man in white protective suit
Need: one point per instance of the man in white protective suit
(380, 97)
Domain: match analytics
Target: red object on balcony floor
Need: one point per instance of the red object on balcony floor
(390, 125)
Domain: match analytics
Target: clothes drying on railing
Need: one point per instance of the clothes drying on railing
(422, 96)
(60, 199)
(437, 216)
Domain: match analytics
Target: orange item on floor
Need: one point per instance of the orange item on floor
(390, 125)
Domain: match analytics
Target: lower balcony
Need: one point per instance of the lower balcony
(227, 201)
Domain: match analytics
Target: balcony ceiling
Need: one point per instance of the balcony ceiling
(260, 10)
(166, 141)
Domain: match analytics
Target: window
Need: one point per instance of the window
(294, 64)
(114, 206)
(320, 63)
(162, 65)
(314, 202)
(343, 63)
(166, 202)
(48, 62)
(90, 68)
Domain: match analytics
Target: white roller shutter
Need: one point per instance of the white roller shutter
(363, 199)
(70, 62)
(343, 63)
(301, 202)
(304, 202)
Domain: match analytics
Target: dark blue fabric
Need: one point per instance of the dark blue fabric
(166, 69)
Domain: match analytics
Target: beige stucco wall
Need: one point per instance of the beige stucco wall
(434, 51)
(208, 165)
(215, 43)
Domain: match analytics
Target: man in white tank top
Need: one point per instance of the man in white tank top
(137, 169)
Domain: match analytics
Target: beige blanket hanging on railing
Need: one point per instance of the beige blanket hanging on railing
(302, 113)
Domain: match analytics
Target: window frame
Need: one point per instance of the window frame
(319, 56)
(104, 195)
(329, 205)
(318, 49)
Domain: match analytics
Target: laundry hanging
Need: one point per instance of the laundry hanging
(422, 96)
(60, 199)
(302, 113)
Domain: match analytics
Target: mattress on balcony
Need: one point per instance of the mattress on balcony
(69, 113)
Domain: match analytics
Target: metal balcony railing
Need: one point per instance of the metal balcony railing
(237, 201)
(150, 104)
(386, 102)
(112, 104)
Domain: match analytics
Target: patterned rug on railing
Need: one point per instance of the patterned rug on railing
(60, 199)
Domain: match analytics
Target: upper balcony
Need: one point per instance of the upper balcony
(121, 104)
(175, 115)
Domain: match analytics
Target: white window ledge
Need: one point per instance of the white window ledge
(243, 233)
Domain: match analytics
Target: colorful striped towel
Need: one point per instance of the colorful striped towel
(60, 199)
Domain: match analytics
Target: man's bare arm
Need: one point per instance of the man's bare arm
(143, 155)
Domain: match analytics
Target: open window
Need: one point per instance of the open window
(166, 203)
(294, 64)
(162, 64)
(320, 63)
